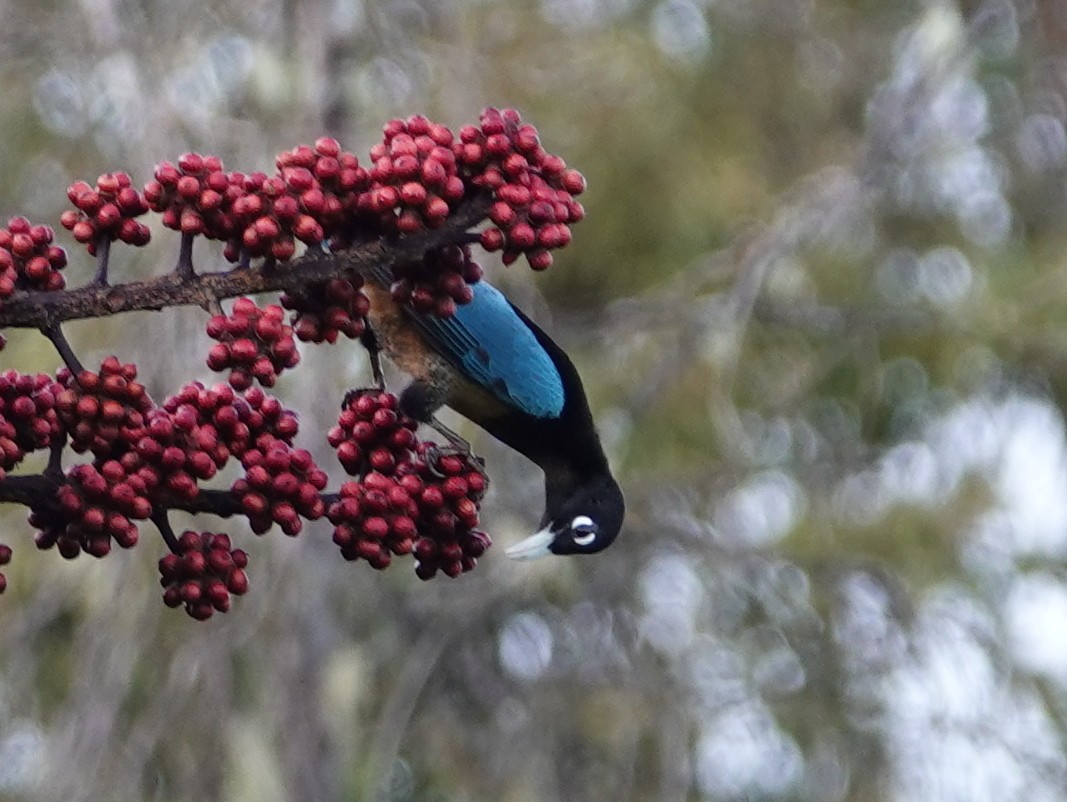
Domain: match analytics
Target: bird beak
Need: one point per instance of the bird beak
(534, 546)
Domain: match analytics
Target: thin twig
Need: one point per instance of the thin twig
(162, 522)
(54, 332)
(55, 459)
(103, 260)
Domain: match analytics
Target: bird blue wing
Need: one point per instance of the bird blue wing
(493, 347)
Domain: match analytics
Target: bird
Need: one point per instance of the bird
(496, 367)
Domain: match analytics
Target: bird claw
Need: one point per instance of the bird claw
(355, 392)
(433, 456)
(374, 349)
(456, 446)
(460, 445)
(376, 370)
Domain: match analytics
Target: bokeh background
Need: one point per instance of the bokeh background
(819, 305)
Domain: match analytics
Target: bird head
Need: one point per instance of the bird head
(586, 522)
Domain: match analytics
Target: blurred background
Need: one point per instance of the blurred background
(818, 304)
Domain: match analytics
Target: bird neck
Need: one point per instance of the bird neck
(562, 481)
(566, 448)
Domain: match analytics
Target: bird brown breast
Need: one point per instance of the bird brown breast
(397, 337)
(405, 347)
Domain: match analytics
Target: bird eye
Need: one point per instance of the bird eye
(584, 530)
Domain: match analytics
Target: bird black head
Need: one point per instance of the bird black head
(586, 522)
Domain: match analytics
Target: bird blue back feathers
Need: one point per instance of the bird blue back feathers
(488, 342)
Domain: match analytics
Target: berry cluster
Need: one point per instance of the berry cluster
(372, 434)
(329, 309)
(533, 191)
(450, 490)
(96, 506)
(420, 172)
(27, 416)
(429, 508)
(313, 195)
(254, 344)
(177, 451)
(106, 211)
(452, 555)
(326, 183)
(195, 196)
(375, 518)
(269, 219)
(202, 574)
(196, 431)
(222, 423)
(439, 282)
(103, 412)
(28, 259)
(281, 484)
(414, 180)
(267, 421)
(216, 420)
(410, 495)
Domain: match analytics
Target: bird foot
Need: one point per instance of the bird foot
(456, 445)
(434, 453)
(369, 341)
(454, 440)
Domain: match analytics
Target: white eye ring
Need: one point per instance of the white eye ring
(584, 530)
(586, 539)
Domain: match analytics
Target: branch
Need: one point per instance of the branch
(180, 288)
(39, 491)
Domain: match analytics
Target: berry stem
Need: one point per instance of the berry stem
(162, 522)
(103, 260)
(54, 332)
(55, 459)
(184, 268)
